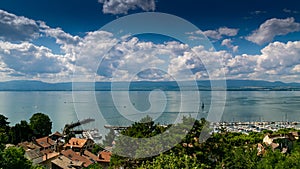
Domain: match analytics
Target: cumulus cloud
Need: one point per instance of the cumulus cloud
(123, 6)
(17, 28)
(277, 61)
(228, 44)
(28, 59)
(271, 28)
(60, 36)
(99, 55)
(138, 60)
(219, 33)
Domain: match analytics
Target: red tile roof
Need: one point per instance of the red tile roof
(90, 155)
(104, 156)
(45, 142)
(76, 157)
(76, 142)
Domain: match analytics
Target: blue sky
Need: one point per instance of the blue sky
(49, 40)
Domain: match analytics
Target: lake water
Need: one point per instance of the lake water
(123, 108)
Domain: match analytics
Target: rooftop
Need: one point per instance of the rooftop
(76, 142)
(45, 142)
(28, 146)
(104, 156)
(66, 163)
(76, 157)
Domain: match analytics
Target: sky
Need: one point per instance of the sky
(61, 41)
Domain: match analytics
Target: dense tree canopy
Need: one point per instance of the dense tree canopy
(4, 129)
(13, 158)
(40, 124)
(20, 132)
(220, 150)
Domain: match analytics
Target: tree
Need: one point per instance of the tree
(96, 149)
(170, 161)
(38, 167)
(4, 128)
(20, 132)
(12, 158)
(95, 166)
(40, 124)
(3, 122)
(143, 129)
(109, 138)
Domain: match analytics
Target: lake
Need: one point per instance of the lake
(123, 108)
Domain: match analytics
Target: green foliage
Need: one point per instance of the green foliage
(13, 158)
(40, 124)
(220, 150)
(96, 149)
(38, 167)
(143, 129)
(3, 122)
(20, 132)
(173, 161)
(109, 138)
(239, 158)
(95, 166)
(4, 129)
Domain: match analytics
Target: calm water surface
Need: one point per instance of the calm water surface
(63, 108)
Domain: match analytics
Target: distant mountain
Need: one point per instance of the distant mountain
(29, 85)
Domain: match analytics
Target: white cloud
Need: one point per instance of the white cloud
(277, 61)
(228, 31)
(17, 28)
(290, 11)
(219, 33)
(228, 43)
(258, 12)
(60, 36)
(137, 60)
(29, 60)
(123, 6)
(271, 28)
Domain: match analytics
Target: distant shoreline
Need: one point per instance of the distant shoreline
(201, 85)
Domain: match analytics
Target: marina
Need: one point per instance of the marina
(247, 127)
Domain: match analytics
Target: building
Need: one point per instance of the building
(46, 143)
(35, 155)
(40, 151)
(76, 157)
(283, 142)
(63, 162)
(104, 158)
(56, 136)
(79, 144)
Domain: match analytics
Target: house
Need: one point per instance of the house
(45, 143)
(79, 145)
(63, 162)
(89, 155)
(56, 136)
(40, 152)
(32, 152)
(48, 156)
(28, 145)
(104, 158)
(35, 155)
(76, 157)
(284, 142)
